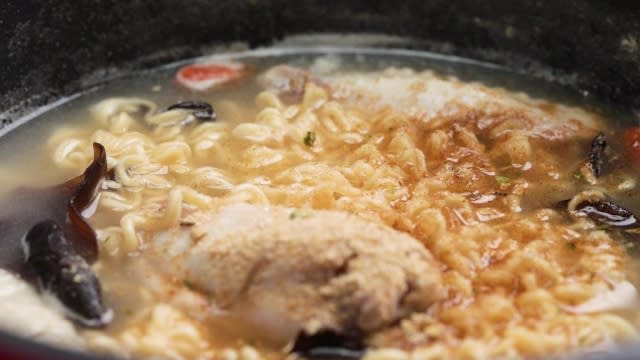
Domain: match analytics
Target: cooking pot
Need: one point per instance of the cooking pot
(54, 48)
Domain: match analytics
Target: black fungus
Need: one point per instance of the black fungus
(597, 156)
(23, 208)
(201, 110)
(85, 189)
(608, 213)
(328, 345)
(45, 228)
(61, 271)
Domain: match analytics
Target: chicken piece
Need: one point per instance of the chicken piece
(434, 102)
(288, 82)
(304, 269)
(25, 313)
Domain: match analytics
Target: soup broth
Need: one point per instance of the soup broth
(489, 173)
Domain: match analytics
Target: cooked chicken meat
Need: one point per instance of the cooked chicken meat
(25, 313)
(435, 102)
(312, 269)
(288, 82)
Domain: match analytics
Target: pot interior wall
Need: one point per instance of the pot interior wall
(50, 45)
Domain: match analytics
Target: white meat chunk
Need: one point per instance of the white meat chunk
(23, 312)
(306, 269)
(434, 102)
(288, 82)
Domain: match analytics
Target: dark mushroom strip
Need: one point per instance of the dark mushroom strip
(85, 189)
(597, 156)
(60, 270)
(29, 213)
(201, 110)
(328, 345)
(64, 204)
(597, 206)
(608, 213)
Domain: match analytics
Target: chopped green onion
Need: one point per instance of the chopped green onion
(502, 179)
(188, 284)
(299, 214)
(310, 138)
(579, 176)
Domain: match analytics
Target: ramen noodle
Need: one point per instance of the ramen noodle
(426, 215)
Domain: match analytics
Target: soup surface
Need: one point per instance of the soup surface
(337, 203)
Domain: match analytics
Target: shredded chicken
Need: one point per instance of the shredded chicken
(288, 82)
(315, 269)
(24, 312)
(435, 102)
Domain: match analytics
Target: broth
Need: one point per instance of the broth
(492, 212)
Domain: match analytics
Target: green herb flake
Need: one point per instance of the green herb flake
(502, 179)
(310, 138)
(603, 226)
(571, 245)
(188, 284)
(299, 214)
(579, 176)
